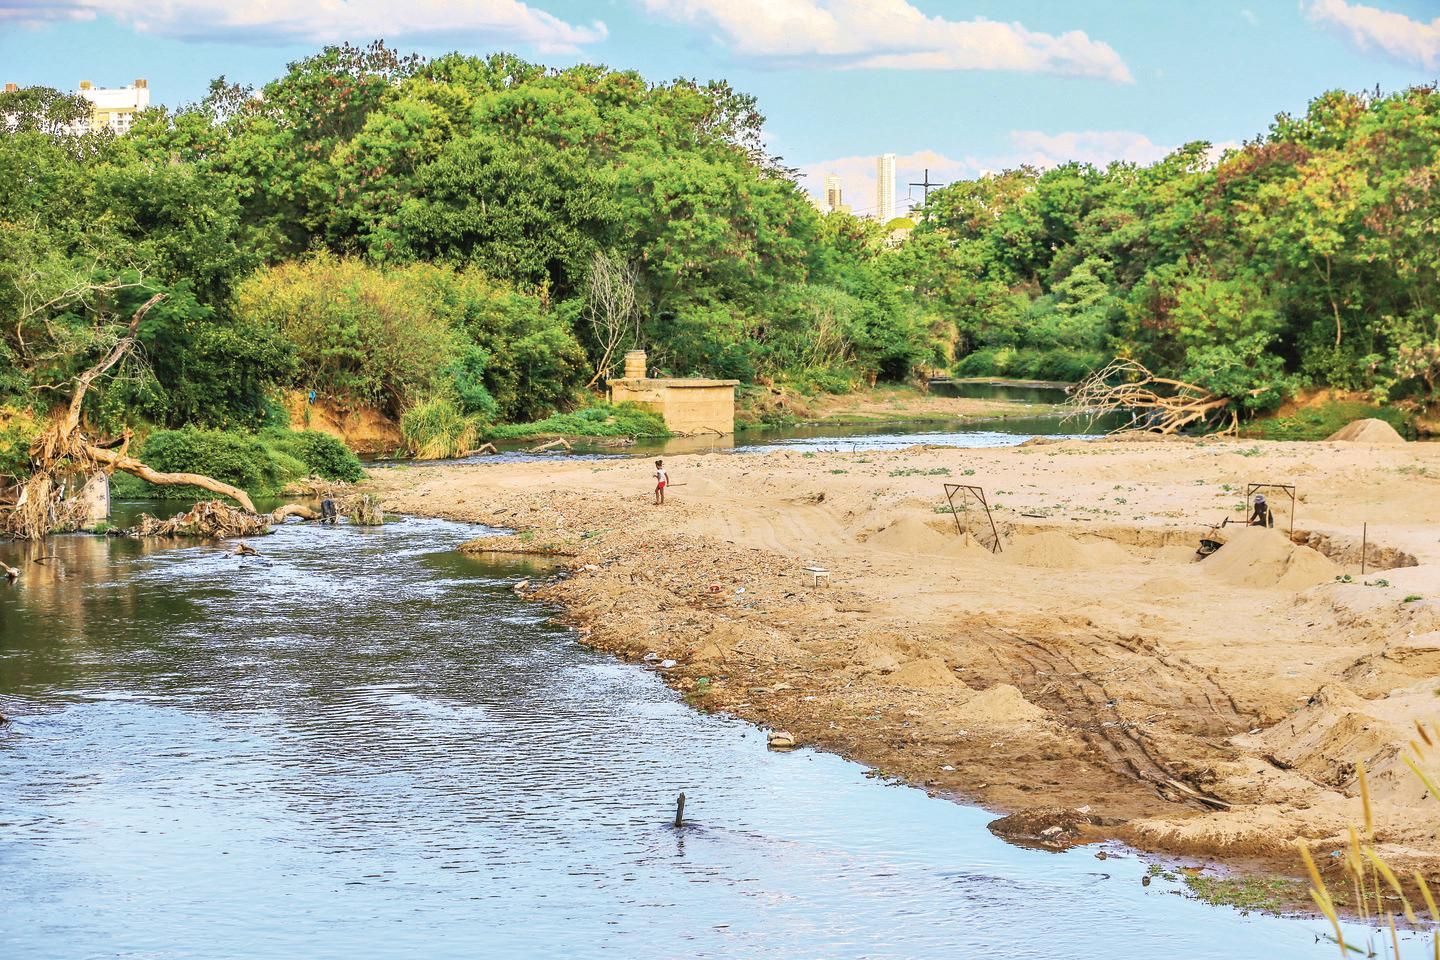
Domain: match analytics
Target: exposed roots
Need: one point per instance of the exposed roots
(1155, 404)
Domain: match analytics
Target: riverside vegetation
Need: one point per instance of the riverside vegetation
(425, 238)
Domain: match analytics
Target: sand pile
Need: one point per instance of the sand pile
(1369, 430)
(926, 673)
(909, 535)
(1049, 549)
(1000, 704)
(1262, 557)
(1058, 551)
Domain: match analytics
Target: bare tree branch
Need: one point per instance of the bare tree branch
(611, 309)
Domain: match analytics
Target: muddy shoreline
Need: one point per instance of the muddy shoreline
(1092, 677)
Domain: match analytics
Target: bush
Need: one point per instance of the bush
(324, 456)
(437, 428)
(601, 420)
(239, 459)
(261, 465)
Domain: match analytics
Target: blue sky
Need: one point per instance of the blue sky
(959, 85)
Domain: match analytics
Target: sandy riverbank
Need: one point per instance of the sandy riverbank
(1095, 667)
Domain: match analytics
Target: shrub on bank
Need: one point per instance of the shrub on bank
(260, 464)
(324, 455)
(1025, 363)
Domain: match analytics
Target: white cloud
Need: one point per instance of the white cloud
(321, 21)
(1042, 150)
(1412, 41)
(1087, 146)
(1249, 17)
(890, 34)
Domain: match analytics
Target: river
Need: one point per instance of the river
(362, 744)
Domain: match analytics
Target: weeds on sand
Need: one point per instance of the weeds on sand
(918, 472)
(1412, 597)
(1267, 894)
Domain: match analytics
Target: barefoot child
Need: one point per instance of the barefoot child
(661, 480)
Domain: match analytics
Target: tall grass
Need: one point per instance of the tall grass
(437, 428)
(1373, 886)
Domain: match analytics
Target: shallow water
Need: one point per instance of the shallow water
(998, 432)
(362, 744)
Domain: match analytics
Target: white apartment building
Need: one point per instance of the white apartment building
(885, 188)
(115, 107)
(111, 108)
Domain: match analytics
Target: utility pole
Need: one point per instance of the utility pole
(926, 184)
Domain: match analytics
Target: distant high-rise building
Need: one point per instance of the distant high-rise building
(833, 199)
(885, 188)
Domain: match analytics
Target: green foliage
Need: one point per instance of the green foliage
(437, 428)
(395, 336)
(260, 464)
(240, 459)
(601, 420)
(387, 230)
(323, 455)
(1304, 258)
(18, 429)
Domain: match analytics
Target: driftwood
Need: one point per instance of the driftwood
(553, 444)
(208, 519)
(483, 448)
(1155, 404)
(281, 514)
(10, 572)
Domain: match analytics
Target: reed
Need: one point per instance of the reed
(437, 428)
(1373, 885)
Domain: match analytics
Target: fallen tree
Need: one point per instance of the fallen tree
(63, 451)
(1154, 404)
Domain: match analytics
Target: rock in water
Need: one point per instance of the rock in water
(780, 740)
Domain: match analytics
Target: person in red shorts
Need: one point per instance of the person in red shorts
(662, 479)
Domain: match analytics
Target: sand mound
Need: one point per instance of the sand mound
(1261, 557)
(1369, 430)
(1001, 704)
(1057, 551)
(909, 535)
(928, 673)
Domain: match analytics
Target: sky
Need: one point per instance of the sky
(958, 86)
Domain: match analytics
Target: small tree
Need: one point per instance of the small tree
(611, 309)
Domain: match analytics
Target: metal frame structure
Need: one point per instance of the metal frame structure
(1287, 488)
(978, 493)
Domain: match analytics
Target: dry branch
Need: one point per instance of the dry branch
(1154, 404)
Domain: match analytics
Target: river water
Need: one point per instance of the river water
(363, 744)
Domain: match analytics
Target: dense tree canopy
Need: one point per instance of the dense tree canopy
(388, 230)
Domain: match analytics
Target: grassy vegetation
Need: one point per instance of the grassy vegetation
(260, 464)
(601, 420)
(437, 428)
(1319, 422)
